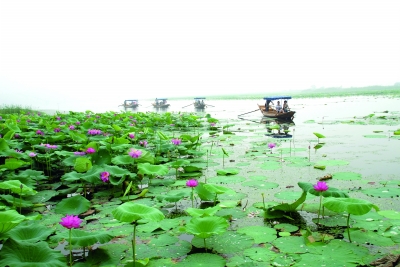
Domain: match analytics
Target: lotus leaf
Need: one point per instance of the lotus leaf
(204, 227)
(132, 212)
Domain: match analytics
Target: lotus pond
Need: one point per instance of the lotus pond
(197, 189)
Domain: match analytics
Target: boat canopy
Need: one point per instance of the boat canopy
(196, 98)
(133, 100)
(277, 97)
(161, 98)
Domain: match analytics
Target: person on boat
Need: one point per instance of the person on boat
(285, 106)
(267, 103)
(278, 107)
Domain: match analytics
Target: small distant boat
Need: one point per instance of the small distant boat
(270, 111)
(199, 102)
(160, 103)
(130, 103)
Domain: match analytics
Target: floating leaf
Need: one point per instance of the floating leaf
(73, 206)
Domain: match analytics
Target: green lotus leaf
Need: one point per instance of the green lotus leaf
(171, 197)
(217, 189)
(146, 157)
(84, 239)
(78, 137)
(229, 242)
(71, 176)
(179, 163)
(9, 219)
(30, 231)
(346, 176)
(73, 205)
(350, 205)
(25, 254)
(122, 160)
(383, 192)
(320, 167)
(13, 163)
(17, 187)
(202, 212)
(203, 193)
(371, 238)
(3, 145)
(82, 164)
(319, 135)
(150, 169)
(132, 212)
(228, 171)
(260, 254)
(390, 214)
(204, 227)
(260, 234)
(102, 157)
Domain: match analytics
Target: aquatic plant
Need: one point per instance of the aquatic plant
(70, 222)
(192, 184)
(352, 206)
(320, 186)
(131, 213)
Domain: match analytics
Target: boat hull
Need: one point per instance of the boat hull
(272, 113)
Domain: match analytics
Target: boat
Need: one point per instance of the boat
(199, 102)
(130, 103)
(271, 112)
(160, 103)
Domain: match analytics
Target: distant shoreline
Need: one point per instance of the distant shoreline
(393, 90)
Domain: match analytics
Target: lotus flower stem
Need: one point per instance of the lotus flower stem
(192, 196)
(348, 227)
(262, 194)
(320, 205)
(134, 243)
(70, 247)
(205, 247)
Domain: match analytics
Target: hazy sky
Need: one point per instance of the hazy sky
(116, 50)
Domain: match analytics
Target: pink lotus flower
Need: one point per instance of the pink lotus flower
(212, 124)
(39, 132)
(71, 221)
(321, 186)
(192, 183)
(17, 136)
(131, 135)
(94, 132)
(50, 146)
(79, 153)
(57, 130)
(176, 141)
(90, 150)
(143, 143)
(104, 176)
(17, 150)
(78, 122)
(134, 153)
(32, 154)
(271, 145)
(58, 118)
(72, 127)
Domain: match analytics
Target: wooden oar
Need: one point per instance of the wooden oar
(187, 105)
(249, 112)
